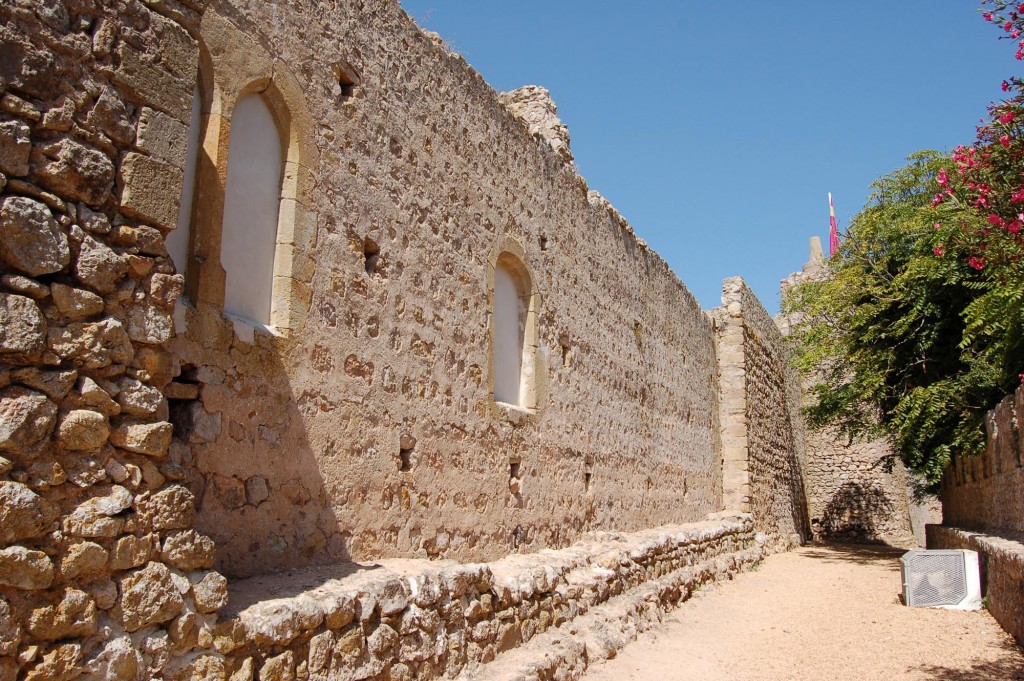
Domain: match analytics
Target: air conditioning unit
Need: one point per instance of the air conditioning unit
(941, 579)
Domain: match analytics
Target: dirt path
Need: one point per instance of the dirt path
(816, 614)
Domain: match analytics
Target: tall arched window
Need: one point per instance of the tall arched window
(251, 207)
(514, 309)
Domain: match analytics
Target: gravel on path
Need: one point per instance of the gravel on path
(813, 614)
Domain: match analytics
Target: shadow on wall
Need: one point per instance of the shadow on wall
(851, 514)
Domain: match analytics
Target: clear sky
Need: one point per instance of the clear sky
(717, 129)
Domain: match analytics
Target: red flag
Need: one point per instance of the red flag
(833, 232)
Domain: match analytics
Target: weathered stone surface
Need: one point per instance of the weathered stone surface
(137, 398)
(98, 266)
(23, 513)
(151, 439)
(74, 170)
(150, 190)
(84, 558)
(279, 668)
(111, 116)
(73, 617)
(55, 384)
(76, 303)
(94, 222)
(25, 286)
(165, 289)
(15, 147)
(59, 664)
(97, 398)
(92, 345)
(10, 631)
(22, 568)
(148, 596)
(533, 104)
(188, 550)
(131, 551)
(82, 429)
(26, 419)
(150, 84)
(210, 592)
(149, 324)
(22, 329)
(95, 517)
(256, 490)
(30, 239)
(172, 508)
(161, 136)
(118, 661)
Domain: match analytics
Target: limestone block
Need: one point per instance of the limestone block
(25, 286)
(74, 170)
(98, 266)
(55, 384)
(152, 439)
(165, 289)
(148, 596)
(22, 329)
(60, 664)
(95, 517)
(188, 550)
(10, 632)
(131, 551)
(138, 399)
(30, 239)
(73, 617)
(151, 84)
(256, 490)
(26, 419)
(92, 345)
(210, 592)
(22, 568)
(15, 147)
(279, 668)
(111, 116)
(76, 303)
(118, 661)
(161, 136)
(171, 509)
(83, 558)
(82, 429)
(150, 190)
(149, 324)
(23, 513)
(97, 223)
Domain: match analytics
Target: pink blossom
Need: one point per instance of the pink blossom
(1005, 86)
(1006, 118)
(1014, 227)
(995, 220)
(1005, 140)
(938, 251)
(976, 262)
(988, 16)
(937, 225)
(943, 180)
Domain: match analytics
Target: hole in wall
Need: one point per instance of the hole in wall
(371, 254)
(587, 477)
(588, 471)
(347, 77)
(406, 449)
(543, 242)
(515, 470)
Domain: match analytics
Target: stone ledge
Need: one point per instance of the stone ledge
(428, 619)
(1002, 571)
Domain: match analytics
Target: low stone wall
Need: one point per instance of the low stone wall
(405, 619)
(1002, 571)
(986, 492)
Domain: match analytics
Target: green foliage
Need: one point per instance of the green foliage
(903, 338)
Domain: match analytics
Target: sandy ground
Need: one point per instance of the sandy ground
(818, 613)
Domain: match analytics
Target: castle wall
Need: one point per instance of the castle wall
(762, 427)
(367, 428)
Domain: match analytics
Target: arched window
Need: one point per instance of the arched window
(514, 306)
(178, 240)
(251, 207)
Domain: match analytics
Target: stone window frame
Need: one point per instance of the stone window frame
(233, 66)
(511, 256)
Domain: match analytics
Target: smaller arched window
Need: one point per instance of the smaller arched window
(513, 330)
(251, 208)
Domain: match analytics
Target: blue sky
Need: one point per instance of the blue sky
(718, 129)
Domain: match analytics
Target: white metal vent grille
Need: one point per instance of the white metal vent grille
(941, 579)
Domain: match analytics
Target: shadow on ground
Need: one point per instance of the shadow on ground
(864, 554)
(1006, 668)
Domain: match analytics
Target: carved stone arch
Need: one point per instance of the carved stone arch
(239, 66)
(507, 267)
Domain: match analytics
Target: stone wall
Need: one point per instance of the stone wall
(1002, 571)
(762, 427)
(986, 492)
(363, 425)
(101, 570)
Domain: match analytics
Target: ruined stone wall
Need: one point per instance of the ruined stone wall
(762, 427)
(986, 492)
(101, 571)
(365, 426)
